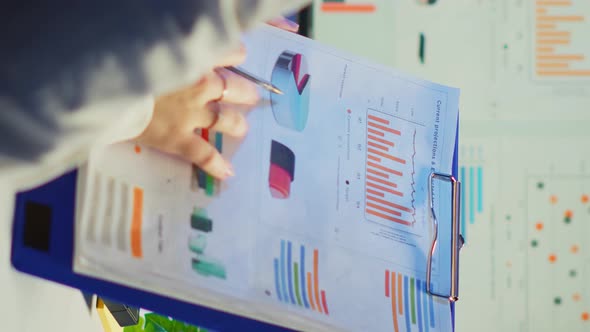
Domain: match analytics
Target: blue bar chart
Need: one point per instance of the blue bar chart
(471, 175)
(295, 286)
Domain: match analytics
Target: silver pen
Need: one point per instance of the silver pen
(265, 84)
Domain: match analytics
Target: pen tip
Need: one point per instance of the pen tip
(272, 88)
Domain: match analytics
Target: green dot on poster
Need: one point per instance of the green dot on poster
(534, 243)
(508, 217)
(573, 273)
(557, 300)
(540, 185)
(567, 220)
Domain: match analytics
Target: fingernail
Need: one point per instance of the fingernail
(229, 170)
(292, 24)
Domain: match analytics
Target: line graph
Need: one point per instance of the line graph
(386, 170)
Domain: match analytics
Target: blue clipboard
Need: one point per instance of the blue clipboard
(43, 243)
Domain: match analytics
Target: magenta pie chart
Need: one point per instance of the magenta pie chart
(289, 74)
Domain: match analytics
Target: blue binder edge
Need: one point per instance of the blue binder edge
(455, 171)
(56, 264)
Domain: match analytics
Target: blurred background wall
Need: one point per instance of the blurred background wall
(523, 67)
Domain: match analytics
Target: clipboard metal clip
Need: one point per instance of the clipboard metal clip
(442, 276)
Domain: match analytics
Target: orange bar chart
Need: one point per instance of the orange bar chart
(386, 172)
(340, 6)
(560, 33)
(136, 221)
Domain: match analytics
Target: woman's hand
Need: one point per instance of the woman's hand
(216, 102)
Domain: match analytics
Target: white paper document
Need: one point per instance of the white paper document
(325, 225)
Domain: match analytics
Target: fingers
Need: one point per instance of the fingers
(285, 24)
(239, 89)
(229, 121)
(224, 118)
(234, 58)
(205, 156)
(226, 86)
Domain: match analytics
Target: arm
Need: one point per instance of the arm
(64, 58)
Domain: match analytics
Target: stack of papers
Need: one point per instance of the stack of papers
(326, 224)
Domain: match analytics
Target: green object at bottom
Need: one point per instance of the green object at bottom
(158, 323)
(207, 267)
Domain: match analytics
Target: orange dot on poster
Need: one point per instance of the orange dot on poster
(584, 198)
(137, 149)
(585, 316)
(574, 249)
(552, 258)
(539, 226)
(568, 213)
(576, 297)
(553, 199)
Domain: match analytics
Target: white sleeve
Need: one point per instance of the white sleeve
(94, 81)
(97, 125)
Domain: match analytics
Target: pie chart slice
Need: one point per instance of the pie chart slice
(289, 74)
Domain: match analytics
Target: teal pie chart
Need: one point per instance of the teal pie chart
(289, 74)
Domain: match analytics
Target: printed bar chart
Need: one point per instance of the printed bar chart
(137, 218)
(472, 197)
(411, 305)
(115, 218)
(473, 167)
(293, 285)
(560, 48)
(386, 169)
